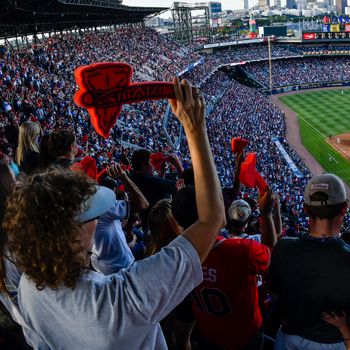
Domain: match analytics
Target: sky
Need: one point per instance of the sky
(226, 4)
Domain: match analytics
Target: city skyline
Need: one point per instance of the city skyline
(226, 4)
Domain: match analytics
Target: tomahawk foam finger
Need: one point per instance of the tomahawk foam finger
(105, 87)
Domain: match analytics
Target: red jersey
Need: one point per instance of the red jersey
(226, 302)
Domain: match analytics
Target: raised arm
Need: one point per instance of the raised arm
(174, 160)
(239, 157)
(268, 231)
(189, 108)
(277, 220)
(137, 199)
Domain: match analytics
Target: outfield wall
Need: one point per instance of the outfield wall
(301, 87)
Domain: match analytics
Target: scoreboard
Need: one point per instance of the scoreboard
(323, 36)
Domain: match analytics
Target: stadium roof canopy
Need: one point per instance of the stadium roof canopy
(22, 17)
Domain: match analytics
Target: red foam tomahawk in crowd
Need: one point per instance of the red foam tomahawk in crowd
(249, 176)
(238, 144)
(105, 87)
(158, 159)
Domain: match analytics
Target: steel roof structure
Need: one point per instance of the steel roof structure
(23, 17)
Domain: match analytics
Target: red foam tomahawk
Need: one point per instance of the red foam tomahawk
(238, 144)
(249, 176)
(157, 160)
(105, 87)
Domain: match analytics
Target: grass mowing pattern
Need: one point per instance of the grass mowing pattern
(320, 114)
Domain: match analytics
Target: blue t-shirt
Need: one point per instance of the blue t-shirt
(110, 251)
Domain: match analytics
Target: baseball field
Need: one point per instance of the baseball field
(324, 119)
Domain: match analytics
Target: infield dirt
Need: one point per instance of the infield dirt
(341, 143)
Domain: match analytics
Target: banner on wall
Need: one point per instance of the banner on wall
(335, 27)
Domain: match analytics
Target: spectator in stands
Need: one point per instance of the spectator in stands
(45, 158)
(28, 147)
(3, 140)
(153, 187)
(291, 230)
(62, 146)
(188, 177)
(135, 236)
(110, 251)
(238, 218)
(163, 229)
(9, 274)
(162, 226)
(8, 152)
(239, 214)
(62, 298)
(12, 131)
(309, 273)
(6, 184)
(225, 306)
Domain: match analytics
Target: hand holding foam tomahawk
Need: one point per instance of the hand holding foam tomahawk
(238, 144)
(249, 176)
(105, 87)
(157, 160)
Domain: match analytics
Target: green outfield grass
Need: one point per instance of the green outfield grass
(323, 113)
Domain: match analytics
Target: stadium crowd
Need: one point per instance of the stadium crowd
(76, 255)
(301, 71)
(326, 50)
(259, 52)
(237, 113)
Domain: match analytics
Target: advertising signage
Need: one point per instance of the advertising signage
(320, 36)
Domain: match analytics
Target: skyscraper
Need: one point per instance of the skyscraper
(302, 4)
(246, 4)
(340, 6)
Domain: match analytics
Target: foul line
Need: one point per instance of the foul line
(311, 125)
(325, 136)
(332, 158)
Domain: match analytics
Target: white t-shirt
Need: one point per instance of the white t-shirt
(119, 311)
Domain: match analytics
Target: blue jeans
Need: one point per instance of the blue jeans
(294, 342)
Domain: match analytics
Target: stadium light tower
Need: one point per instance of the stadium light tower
(186, 28)
(270, 62)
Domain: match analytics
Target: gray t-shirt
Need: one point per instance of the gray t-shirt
(13, 276)
(10, 300)
(120, 311)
